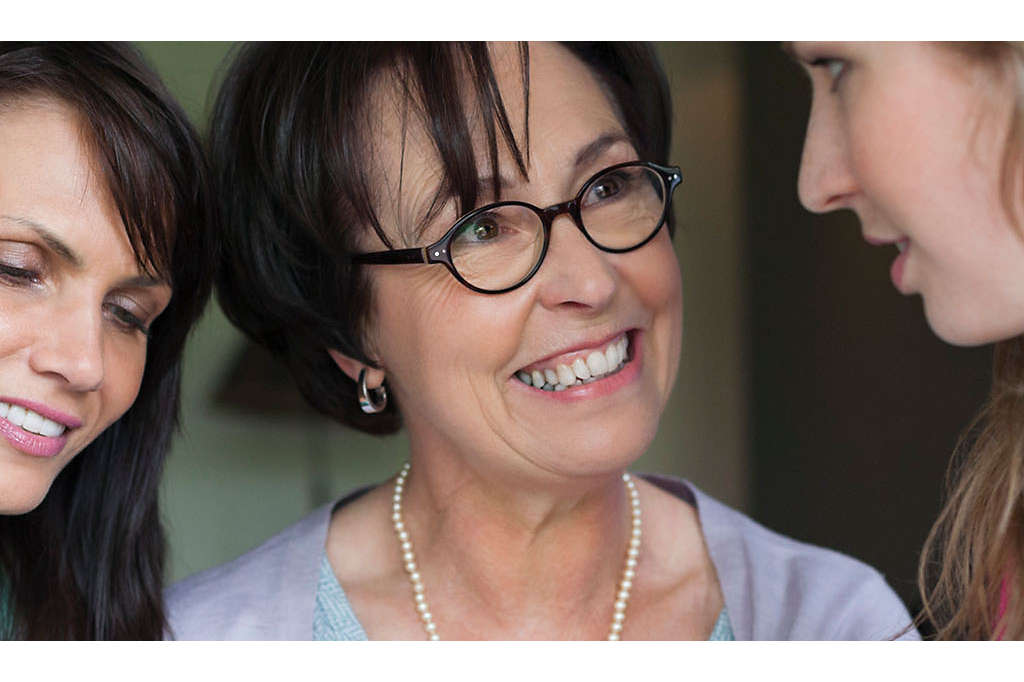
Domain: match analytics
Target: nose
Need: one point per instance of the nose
(575, 273)
(826, 180)
(69, 346)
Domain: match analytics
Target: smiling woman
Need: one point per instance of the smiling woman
(105, 262)
(475, 241)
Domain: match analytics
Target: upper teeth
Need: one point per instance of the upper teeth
(583, 369)
(33, 422)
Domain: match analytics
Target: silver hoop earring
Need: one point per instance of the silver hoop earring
(371, 400)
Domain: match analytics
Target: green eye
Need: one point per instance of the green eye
(485, 231)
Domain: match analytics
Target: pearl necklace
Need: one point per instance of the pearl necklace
(409, 558)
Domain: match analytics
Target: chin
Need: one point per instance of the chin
(966, 326)
(16, 502)
(20, 494)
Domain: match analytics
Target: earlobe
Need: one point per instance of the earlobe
(352, 367)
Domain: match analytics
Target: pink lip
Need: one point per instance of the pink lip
(48, 412)
(897, 268)
(601, 387)
(31, 443)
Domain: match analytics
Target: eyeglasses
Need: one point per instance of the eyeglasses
(499, 247)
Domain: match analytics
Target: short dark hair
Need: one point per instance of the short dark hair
(88, 562)
(291, 144)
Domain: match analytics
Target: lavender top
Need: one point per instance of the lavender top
(775, 588)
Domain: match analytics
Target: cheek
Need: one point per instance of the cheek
(125, 365)
(430, 329)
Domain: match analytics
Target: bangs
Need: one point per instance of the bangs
(146, 196)
(429, 84)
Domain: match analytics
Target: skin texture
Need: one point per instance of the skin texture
(66, 336)
(515, 503)
(911, 136)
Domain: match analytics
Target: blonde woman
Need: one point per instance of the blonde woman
(923, 141)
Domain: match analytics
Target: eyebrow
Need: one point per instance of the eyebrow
(586, 155)
(52, 241)
(68, 254)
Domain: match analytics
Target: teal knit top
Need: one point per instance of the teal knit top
(333, 618)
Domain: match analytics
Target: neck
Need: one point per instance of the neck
(527, 550)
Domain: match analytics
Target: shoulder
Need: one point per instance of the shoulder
(267, 593)
(778, 588)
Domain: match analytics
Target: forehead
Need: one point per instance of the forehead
(564, 109)
(49, 178)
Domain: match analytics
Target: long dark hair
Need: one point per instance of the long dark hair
(88, 562)
(293, 141)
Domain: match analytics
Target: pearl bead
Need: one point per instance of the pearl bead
(419, 594)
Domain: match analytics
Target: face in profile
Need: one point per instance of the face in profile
(456, 358)
(911, 137)
(74, 306)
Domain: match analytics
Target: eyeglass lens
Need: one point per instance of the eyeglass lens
(498, 248)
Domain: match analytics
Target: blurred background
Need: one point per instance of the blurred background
(811, 395)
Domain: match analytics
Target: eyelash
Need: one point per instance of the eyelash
(22, 276)
(122, 317)
(129, 322)
(827, 63)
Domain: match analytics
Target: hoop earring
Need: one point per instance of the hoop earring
(371, 400)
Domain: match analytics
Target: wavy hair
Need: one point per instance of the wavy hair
(971, 573)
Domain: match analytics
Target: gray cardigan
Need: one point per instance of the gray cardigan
(775, 588)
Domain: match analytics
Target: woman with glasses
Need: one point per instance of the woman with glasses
(476, 242)
(106, 261)
(925, 143)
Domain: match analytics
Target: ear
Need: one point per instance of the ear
(352, 367)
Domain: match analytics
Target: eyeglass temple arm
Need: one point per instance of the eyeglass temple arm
(395, 257)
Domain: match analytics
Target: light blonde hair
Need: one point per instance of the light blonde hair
(971, 573)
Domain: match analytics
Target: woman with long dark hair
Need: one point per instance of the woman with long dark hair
(925, 142)
(106, 261)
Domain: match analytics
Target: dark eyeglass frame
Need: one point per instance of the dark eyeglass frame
(439, 251)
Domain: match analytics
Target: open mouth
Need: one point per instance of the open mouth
(30, 421)
(583, 368)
